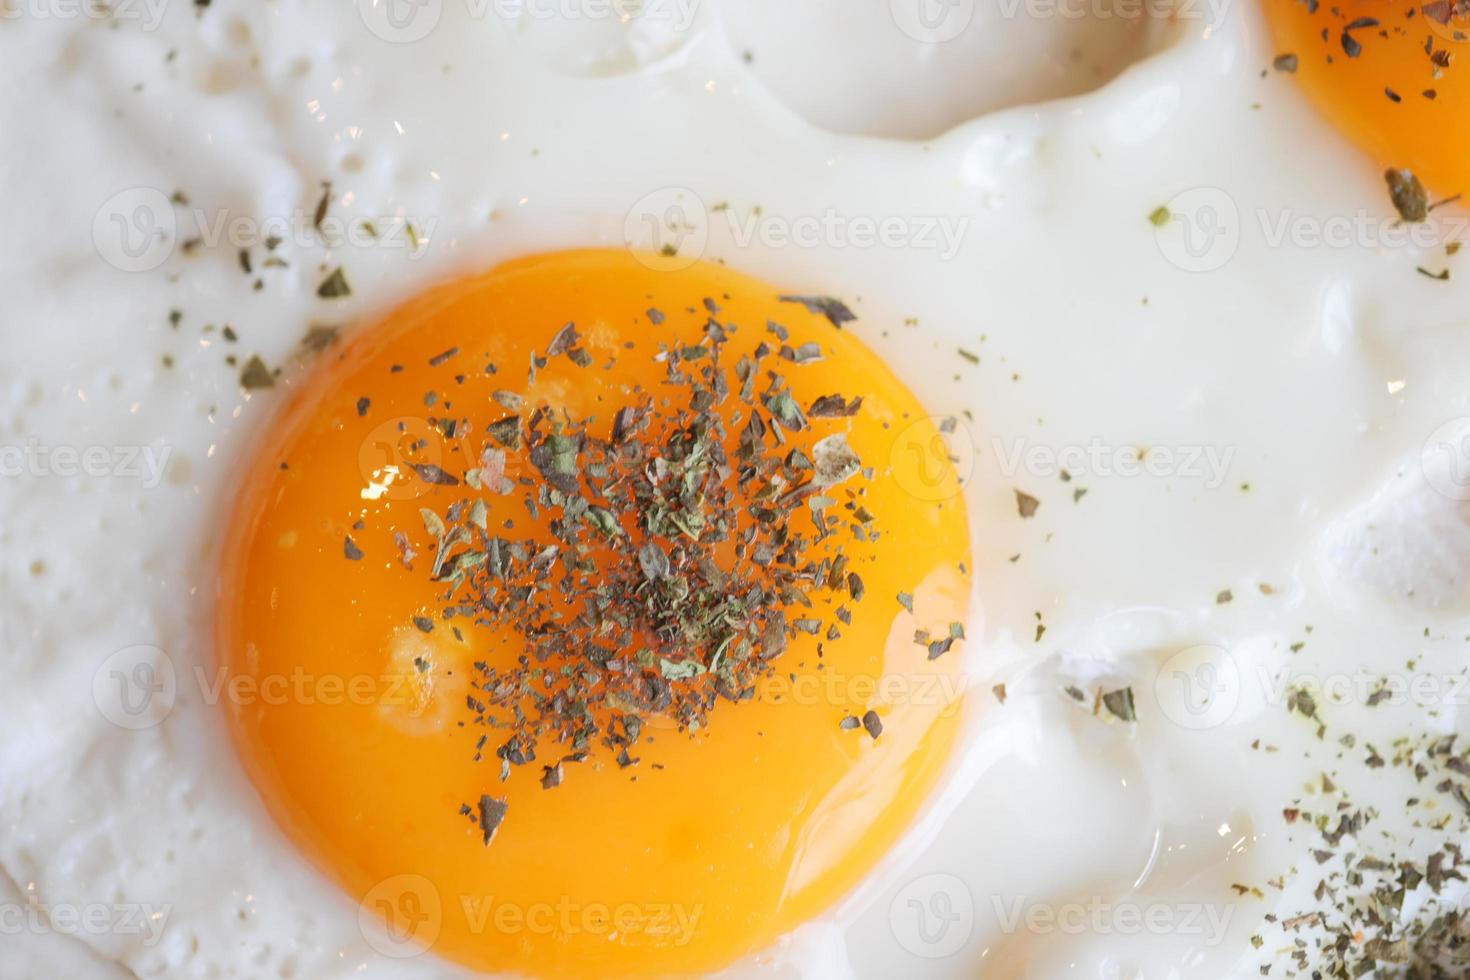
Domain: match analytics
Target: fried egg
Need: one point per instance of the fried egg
(664, 863)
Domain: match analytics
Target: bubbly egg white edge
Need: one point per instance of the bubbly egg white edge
(1318, 371)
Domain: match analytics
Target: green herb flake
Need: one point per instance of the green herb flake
(335, 285)
(256, 375)
(1120, 704)
(1407, 192)
(873, 724)
(492, 815)
(834, 310)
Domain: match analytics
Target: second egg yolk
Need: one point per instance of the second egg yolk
(353, 680)
(1389, 74)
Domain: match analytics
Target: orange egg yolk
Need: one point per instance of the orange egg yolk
(703, 846)
(1387, 74)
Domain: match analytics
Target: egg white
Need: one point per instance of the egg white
(1314, 375)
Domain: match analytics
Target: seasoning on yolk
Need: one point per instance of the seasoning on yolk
(1387, 74)
(579, 571)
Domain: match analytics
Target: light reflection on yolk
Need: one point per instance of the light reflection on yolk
(1416, 51)
(350, 720)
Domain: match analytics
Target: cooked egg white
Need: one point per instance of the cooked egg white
(1194, 338)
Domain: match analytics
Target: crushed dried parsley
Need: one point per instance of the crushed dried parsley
(1409, 197)
(681, 553)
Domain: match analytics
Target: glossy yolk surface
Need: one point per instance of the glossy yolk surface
(1397, 85)
(353, 722)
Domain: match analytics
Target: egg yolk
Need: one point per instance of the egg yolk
(351, 691)
(1386, 73)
